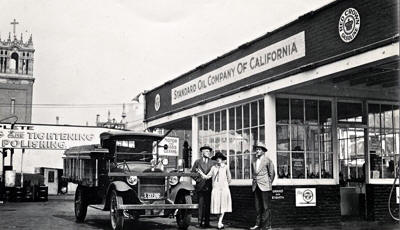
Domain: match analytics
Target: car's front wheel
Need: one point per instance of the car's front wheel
(116, 216)
(184, 216)
(81, 204)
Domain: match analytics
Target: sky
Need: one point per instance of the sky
(93, 55)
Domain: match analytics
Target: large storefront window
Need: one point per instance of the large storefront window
(234, 131)
(304, 138)
(383, 139)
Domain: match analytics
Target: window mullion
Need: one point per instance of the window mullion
(290, 139)
(319, 142)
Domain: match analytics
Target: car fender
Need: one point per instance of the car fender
(119, 186)
(184, 185)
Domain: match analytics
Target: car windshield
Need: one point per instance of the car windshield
(135, 150)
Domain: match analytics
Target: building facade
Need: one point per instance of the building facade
(322, 92)
(16, 78)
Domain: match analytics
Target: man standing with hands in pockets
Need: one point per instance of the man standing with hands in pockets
(204, 186)
(263, 176)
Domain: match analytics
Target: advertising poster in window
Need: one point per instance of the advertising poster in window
(306, 197)
(298, 165)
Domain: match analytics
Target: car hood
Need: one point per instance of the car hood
(137, 167)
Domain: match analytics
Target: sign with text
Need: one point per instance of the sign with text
(306, 197)
(277, 194)
(269, 57)
(31, 136)
(173, 147)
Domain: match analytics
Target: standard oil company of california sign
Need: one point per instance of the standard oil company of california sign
(279, 53)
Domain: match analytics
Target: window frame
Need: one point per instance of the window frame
(203, 137)
(308, 181)
(370, 180)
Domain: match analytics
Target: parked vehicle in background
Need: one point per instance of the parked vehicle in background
(122, 176)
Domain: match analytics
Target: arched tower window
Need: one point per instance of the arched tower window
(14, 63)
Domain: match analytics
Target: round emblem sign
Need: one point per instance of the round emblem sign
(157, 102)
(349, 25)
(308, 196)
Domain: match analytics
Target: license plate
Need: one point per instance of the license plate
(151, 195)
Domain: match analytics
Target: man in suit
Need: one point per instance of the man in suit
(203, 187)
(263, 176)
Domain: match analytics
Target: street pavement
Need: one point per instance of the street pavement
(58, 213)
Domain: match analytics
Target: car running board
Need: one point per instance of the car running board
(97, 206)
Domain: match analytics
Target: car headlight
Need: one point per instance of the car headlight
(164, 161)
(173, 180)
(132, 180)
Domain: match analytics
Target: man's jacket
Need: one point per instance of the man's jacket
(264, 175)
(202, 184)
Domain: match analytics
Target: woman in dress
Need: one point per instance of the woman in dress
(221, 201)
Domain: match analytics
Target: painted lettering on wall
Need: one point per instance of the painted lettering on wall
(271, 56)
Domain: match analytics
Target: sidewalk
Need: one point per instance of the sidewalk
(348, 225)
(234, 225)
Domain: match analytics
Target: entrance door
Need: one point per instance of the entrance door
(352, 133)
(51, 181)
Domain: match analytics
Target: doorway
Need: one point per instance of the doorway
(51, 180)
(352, 133)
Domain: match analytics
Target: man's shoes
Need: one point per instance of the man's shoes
(207, 225)
(255, 227)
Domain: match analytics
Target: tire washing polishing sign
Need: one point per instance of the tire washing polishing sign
(306, 197)
(50, 137)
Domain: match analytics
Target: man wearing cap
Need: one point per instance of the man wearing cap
(263, 176)
(203, 186)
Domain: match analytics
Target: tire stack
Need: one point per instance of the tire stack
(41, 193)
(8, 193)
(29, 194)
(18, 194)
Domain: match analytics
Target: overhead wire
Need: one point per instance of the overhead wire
(69, 105)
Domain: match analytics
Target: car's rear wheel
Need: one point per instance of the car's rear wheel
(80, 204)
(116, 216)
(184, 216)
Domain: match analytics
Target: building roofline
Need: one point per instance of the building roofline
(247, 44)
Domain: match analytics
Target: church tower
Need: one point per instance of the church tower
(16, 77)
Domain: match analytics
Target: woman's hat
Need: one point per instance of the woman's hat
(218, 155)
(205, 147)
(261, 145)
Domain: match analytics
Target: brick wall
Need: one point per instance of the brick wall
(284, 211)
(377, 203)
(22, 93)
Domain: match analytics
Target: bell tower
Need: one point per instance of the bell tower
(16, 77)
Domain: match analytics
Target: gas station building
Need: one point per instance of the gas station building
(322, 93)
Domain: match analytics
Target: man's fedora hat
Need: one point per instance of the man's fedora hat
(219, 155)
(205, 147)
(261, 145)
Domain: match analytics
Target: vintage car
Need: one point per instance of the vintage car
(123, 175)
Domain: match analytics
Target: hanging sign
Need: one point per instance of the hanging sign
(173, 146)
(279, 53)
(306, 197)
